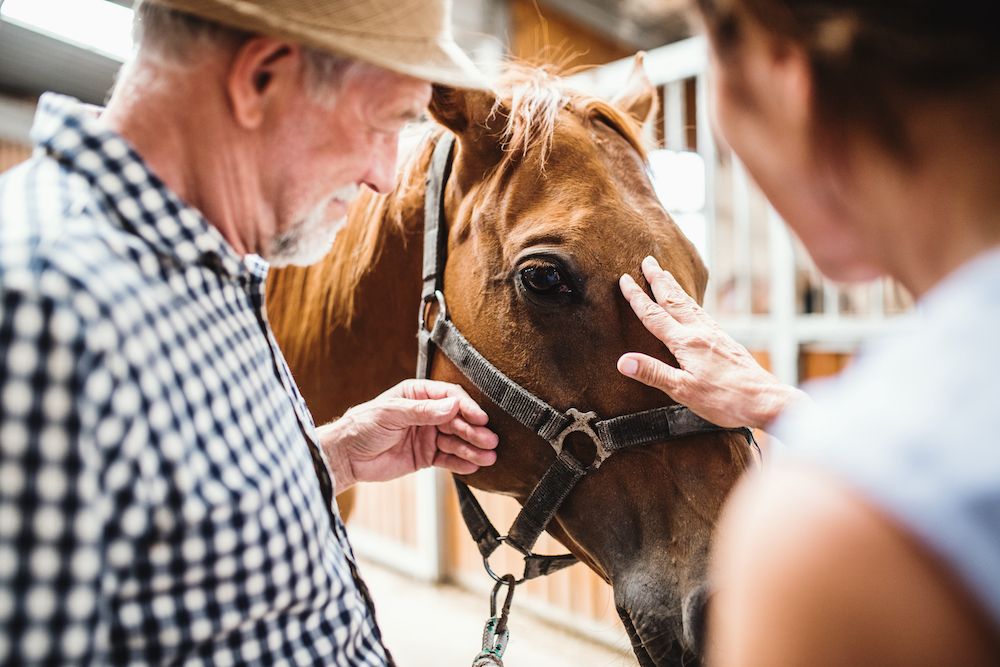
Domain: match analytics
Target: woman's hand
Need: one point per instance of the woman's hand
(718, 379)
(414, 425)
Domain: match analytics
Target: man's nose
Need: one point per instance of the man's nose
(381, 176)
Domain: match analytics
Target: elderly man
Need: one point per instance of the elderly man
(164, 494)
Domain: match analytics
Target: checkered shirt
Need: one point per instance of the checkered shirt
(159, 496)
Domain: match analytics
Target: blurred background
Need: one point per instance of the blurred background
(424, 569)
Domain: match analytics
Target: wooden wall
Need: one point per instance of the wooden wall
(543, 35)
(12, 154)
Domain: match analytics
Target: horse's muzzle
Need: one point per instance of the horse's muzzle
(675, 640)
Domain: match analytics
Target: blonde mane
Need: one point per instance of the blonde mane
(534, 96)
(532, 99)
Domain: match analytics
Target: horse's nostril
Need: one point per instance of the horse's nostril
(694, 612)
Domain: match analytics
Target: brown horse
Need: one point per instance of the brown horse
(548, 203)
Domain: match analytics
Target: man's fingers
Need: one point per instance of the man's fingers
(406, 412)
(654, 373)
(454, 464)
(450, 444)
(659, 322)
(435, 389)
(480, 436)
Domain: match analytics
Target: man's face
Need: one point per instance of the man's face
(331, 144)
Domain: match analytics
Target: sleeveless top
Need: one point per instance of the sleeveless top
(914, 426)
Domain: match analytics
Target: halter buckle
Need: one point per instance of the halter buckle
(581, 424)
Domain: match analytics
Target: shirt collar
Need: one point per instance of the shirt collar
(72, 133)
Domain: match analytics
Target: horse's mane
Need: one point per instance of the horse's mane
(531, 98)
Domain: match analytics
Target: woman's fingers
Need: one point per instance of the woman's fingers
(657, 320)
(654, 373)
(669, 294)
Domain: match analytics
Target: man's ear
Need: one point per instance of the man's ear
(638, 98)
(477, 119)
(262, 69)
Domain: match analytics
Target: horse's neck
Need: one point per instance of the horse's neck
(338, 364)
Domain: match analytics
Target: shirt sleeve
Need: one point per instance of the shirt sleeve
(56, 398)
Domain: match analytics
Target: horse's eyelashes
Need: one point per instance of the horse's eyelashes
(546, 282)
(544, 279)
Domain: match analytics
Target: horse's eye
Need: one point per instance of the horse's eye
(544, 279)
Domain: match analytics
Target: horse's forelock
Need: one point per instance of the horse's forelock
(534, 96)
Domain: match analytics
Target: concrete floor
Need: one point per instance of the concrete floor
(441, 626)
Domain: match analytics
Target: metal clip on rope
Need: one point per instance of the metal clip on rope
(496, 634)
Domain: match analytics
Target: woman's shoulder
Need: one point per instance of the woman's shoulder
(913, 427)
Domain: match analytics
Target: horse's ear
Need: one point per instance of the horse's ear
(477, 119)
(638, 97)
(472, 115)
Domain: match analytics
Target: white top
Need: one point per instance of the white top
(914, 425)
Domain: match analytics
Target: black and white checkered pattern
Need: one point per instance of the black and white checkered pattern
(158, 499)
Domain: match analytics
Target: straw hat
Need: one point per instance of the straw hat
(407, 36)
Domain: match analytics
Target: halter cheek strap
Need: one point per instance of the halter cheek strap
(608, 435)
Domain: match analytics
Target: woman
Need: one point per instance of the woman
(872, 126)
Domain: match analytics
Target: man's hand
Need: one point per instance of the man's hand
(718, 379)
(414, 425)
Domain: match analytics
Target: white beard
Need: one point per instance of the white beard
(309, 240)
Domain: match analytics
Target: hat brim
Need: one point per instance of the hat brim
(443, 62)
(439, 60)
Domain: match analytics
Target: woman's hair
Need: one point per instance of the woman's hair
(872, 59)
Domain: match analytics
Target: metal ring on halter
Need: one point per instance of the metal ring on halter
(582, 424)
(501, 578)
(428, 300)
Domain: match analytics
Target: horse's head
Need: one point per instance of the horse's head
(548, 203)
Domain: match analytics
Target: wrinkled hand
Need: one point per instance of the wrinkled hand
(718, 379)
(414, 425)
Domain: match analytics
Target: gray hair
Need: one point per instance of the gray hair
(176, 37)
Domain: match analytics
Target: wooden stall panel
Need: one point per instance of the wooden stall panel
(12, 154)
(388, 510)
(547, 36)
(815, 364)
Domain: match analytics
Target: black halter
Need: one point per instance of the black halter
(608, 435)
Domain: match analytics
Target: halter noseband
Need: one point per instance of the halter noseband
(608, 435)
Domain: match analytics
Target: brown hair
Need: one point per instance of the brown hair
(871, 59)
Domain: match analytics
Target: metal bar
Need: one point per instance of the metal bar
(784, 344)
(877, 308)
(674, 116)
(674, 62)
(741, 228)
(831, 299)
(706, 148)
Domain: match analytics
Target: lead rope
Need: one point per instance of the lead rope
(496, 633)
